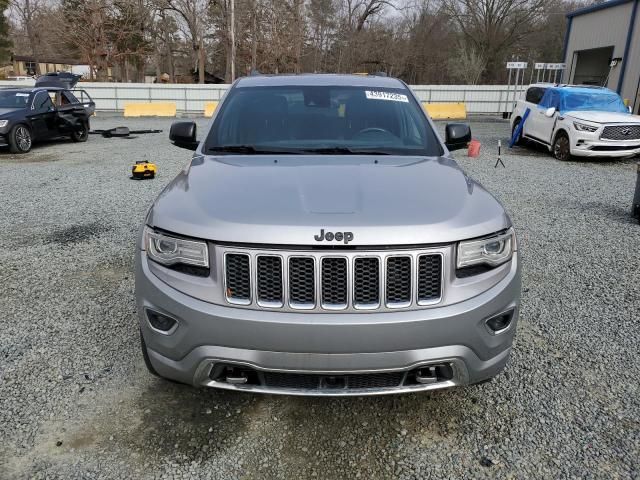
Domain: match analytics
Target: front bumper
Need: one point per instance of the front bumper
(586, 146)
(327, 344)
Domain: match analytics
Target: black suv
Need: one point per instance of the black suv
(53, 108)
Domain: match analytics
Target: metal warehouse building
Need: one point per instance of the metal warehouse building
(602, 47)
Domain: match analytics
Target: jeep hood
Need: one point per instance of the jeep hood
(603, 117)
(287, 199)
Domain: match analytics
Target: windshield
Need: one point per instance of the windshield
(597, 101)
(322, 120)
(13, 99)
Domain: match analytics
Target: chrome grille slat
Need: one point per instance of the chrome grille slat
(323, 281)
(366, 282)
(335, 283)
(429, 279)
(302, 283)
(269, 280)
(398, 281)
(238, 278)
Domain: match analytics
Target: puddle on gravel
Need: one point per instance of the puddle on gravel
(31, 157)
(158, 422)
(76, 233)
(154, 422)
(348, 438)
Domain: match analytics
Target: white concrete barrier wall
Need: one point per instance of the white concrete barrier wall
(191, 99)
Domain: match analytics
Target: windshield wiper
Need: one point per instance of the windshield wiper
(344, 151)
(259, 150)
(252, 150)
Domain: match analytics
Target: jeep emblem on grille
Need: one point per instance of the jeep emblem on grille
(625, 131)
(345, 237)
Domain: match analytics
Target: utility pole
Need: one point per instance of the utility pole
(232, 32)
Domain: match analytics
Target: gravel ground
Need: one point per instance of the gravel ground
(77, 402)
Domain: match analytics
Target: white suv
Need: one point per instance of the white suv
(577, 120)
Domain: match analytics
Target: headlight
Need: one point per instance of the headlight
(169, 250)
(492, 251)
(583, 127)
(4, 123)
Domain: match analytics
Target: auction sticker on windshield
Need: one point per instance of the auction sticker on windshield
(394, 97)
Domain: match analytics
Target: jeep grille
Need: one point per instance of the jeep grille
(309, 280)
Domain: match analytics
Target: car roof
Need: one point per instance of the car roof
(17, 90)
(32, 89)
(319, 79)
(573, 88)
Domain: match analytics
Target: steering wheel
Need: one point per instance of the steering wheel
(364, 131)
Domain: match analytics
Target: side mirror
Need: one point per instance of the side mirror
(457, 136)
(183, 135)
(550, 112)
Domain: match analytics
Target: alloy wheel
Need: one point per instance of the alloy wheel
(23, 138)
(561, 148)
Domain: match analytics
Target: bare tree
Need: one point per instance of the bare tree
(5, 42)
(468, 65)
(322, 17)
(27, 11)
(192, 15)
(165, 43)
(406, 38)
(490, 27)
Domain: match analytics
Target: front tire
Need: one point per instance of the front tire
(145, 355)
(81, 135)
(562, 147)
(20, 140)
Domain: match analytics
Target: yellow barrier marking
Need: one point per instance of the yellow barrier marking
(210, 108)
(444, 111)
(160, 109)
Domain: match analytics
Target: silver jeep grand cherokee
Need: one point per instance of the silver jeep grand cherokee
(322, 241)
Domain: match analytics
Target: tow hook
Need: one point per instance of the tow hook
(239, 380)
(236, 376)
(427, 375)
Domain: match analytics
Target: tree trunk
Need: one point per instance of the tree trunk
(201, 62)
(297, 35)
(158, 66)
(232, 40)
(254, 37)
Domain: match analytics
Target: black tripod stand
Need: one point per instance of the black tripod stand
(499, 161)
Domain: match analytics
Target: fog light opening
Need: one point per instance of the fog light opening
(499, 323)
(161, 323)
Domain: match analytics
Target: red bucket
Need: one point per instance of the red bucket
(474, 149)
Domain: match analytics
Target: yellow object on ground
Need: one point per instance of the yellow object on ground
(143, 169)
(446, 111)
(209, 108)
(160, 109)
